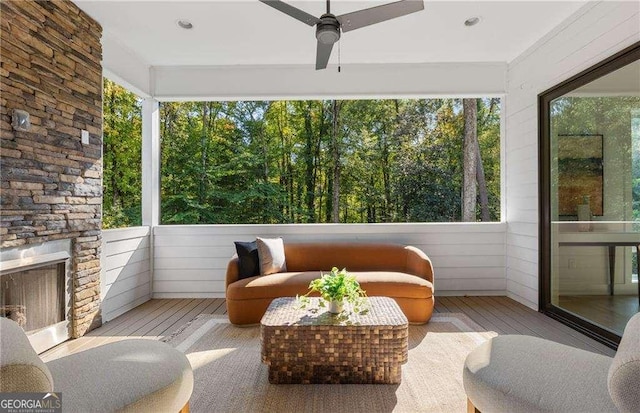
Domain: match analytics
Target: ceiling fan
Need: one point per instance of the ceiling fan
(329, 26)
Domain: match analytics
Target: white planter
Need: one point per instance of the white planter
(335, 306)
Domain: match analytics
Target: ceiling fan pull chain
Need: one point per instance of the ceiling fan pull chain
(339, 43)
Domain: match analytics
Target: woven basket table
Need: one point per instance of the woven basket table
(314, 346)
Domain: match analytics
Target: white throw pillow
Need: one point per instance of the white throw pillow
(271, 255)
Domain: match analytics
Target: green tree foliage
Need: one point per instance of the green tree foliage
(310, 161)
(276, 162)
(122, 138)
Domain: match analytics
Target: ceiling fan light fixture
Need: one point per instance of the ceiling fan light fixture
(328, 29)
(185, 24)
(472, 21)
(328, 35)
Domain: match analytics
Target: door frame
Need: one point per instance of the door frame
(618, 60)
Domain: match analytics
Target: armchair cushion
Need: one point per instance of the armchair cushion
(130, 375)
(624, 374)
(21, 370)
(529, 374)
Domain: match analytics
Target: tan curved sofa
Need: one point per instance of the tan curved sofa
(401, 272)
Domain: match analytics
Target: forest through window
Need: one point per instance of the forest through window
(121, 157)
(323, 161)
(308, 161)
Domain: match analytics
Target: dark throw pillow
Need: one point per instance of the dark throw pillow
(248, 262)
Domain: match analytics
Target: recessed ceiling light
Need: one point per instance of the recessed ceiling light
(185, 24)
(472, 21)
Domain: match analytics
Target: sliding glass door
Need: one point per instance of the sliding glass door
(590, 197)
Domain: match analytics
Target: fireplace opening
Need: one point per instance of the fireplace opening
(35, 291)
(34, 298)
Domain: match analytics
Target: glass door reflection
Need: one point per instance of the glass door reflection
(595, 199)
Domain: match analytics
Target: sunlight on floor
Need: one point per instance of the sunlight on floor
(202, 358)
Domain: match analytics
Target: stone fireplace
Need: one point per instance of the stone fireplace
(51, 171)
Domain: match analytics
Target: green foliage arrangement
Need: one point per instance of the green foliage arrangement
(337, 285)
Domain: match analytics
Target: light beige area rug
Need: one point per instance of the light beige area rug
(229, 376)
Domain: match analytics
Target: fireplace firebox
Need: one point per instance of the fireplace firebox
(35, 291)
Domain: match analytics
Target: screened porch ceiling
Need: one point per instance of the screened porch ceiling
(245, 49)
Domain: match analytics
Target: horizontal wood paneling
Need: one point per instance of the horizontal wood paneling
(594, 32)
(126, 274)
(193, 259)
(129, 270)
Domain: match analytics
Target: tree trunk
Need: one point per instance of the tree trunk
(203, 153)
(309, 164)
(469, 194)
(386, 168)
(284, 157)
(371, 207)
(482, 187)
(115, 171)
(329, 206)
(322, 132)
(335, 157)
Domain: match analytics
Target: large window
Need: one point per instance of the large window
(122, 139)
(347, 161)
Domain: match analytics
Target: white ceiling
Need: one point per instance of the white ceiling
(247, 32)
(622, 82)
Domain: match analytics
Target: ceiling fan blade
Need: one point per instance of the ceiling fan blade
(366, 17)
(294, 12)
(322, 55)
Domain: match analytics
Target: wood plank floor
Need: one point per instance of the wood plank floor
(156, 319)
(610, 312)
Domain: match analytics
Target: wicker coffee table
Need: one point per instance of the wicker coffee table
(313, 346)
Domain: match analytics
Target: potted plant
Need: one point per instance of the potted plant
(336, 287)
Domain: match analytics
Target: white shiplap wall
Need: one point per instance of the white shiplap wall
(191, 260)
(126, 270)
(597, 31)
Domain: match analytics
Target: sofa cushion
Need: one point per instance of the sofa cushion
(289, 284)
(394, 284)
(271, 254)
(352, 256)
(248, 261)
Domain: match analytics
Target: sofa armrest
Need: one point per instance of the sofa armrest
(418, 263)
(21, 370)
(233, 271)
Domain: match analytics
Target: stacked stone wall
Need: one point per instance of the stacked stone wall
(51, 183)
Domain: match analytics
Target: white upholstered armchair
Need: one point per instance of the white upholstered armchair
(130, 375)
(528, 374)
